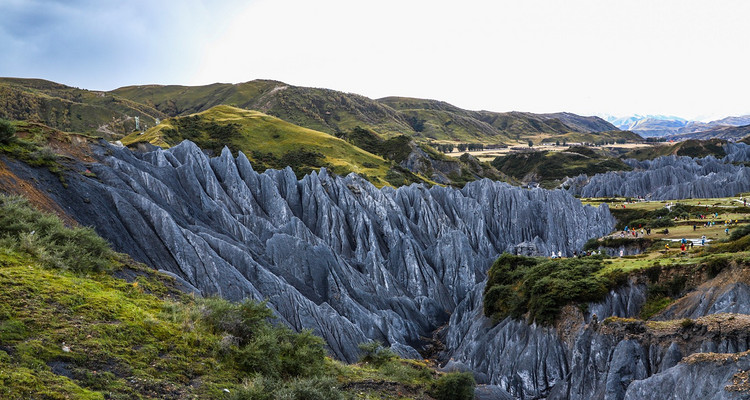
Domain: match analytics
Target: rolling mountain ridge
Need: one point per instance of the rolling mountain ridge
(72, 109)
(717, 132)
(323, 110)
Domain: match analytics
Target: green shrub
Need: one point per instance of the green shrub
(733, 246)
(396, 148)
(46, 238)
(454, 386)
(241, 320)
(739, 232)
(310, 389)
(671, 288)
(406, 372)
(653, 273)
(654, 305)
(42, 157)
(5, 310)
(659, 218)
(7, 131)
(302, 161)
(261, 354)
(258, 346)
(302, 354)
(610, 242)
(687, 323)
(259, 388)
(714, 265)
(592, 244)
(517, 285)
(375, 353)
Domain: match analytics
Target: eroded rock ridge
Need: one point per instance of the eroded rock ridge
(333, 254)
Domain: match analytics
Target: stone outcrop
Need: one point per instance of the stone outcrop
(710, 377)
(531, 361)
(672, 177)
(590, 357)
(333, 254)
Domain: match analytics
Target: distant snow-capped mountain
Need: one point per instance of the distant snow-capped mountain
(665, 125)
(649, 125)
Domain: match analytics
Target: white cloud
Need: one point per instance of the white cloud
(585, 56)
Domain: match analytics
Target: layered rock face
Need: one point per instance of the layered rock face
(720, 378)
(530, 361)
(672, 177)
(583, 358)
(332, 254)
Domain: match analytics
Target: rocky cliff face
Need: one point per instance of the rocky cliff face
(529, 361)
(585, 357)
(332, 254)
(716, 377)
(672, 177)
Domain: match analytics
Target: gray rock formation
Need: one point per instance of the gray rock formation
(419, 161)
(593, 360)
(713, 297)
(332, 254)
(530, 361)
(354, 263)
(672, 177)
(737, 152)
(723, 378)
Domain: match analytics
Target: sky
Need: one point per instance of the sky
(685, 58)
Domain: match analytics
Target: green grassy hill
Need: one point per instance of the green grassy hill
(335, 112)
(296, 126)
(440, 121)
(71, 109)
(320, 109)
(268, 142)
(595, 137)
(112, 113)
(549, 167)
(690, 148)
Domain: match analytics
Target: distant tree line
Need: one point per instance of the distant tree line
(462, 147)
(593, 144)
